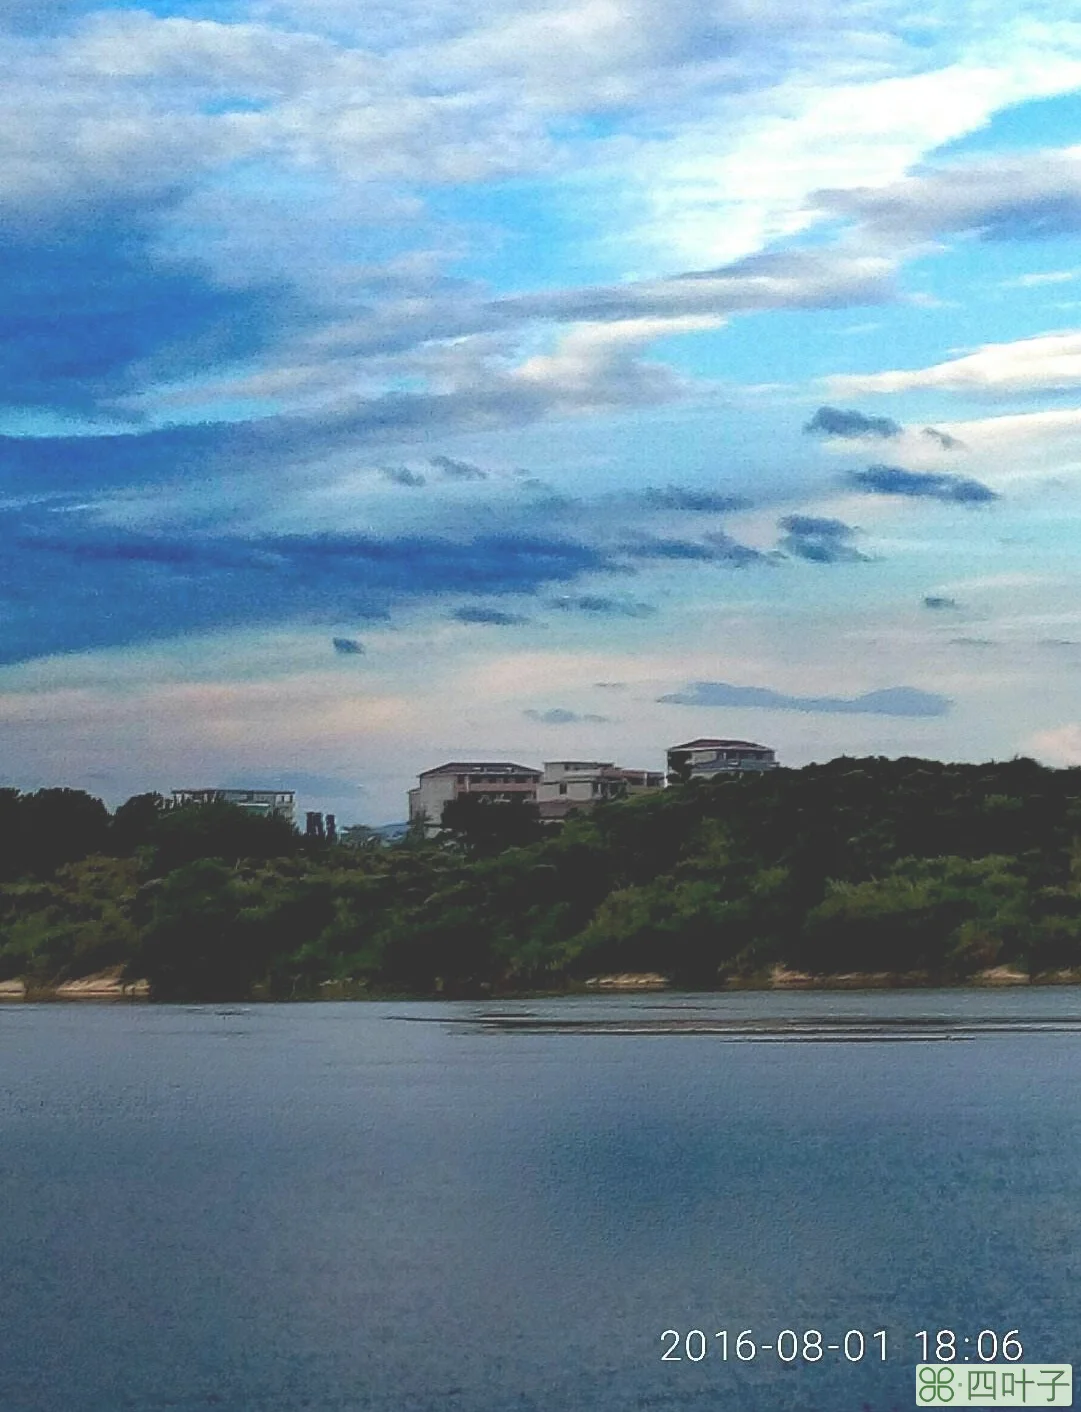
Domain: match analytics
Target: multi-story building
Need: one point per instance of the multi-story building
(568, 785)
(707, 758)
(498, 782)
(259, 801)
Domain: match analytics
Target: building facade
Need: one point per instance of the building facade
(494, 782)
(260, 801)
(706, 758)
(568, 785)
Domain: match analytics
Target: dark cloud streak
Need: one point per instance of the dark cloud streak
(833, 421)
(602, 606)
(692, 501)
(494, 617)
(559, 716)
(93, 589)
(927, 485)
(819, 540)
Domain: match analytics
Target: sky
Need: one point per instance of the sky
(391, 384)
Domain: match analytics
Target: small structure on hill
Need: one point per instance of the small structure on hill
(706, 758)
(579, 785)
(260, 801)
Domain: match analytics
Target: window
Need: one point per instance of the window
(562, 789)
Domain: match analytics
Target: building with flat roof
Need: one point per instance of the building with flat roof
(260, 801)
(706, 758)
(493, 782)
(578, 785)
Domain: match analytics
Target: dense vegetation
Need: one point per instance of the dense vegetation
(857, 865)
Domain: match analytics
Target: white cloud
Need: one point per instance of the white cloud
(640, 53)
(733, 113)
(597, 365)
(755, 169)
(1048, 362)
(1039, 278)
(1038, 448)
(454, 345)
(1034, 455)
(1036, 193)
(256, 60)
(59, 152)
(1059, 746)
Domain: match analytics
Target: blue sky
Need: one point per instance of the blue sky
(384, 385)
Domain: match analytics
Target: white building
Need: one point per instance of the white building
(497, 782)
(706, 758)
(568, 785)
(260, 801)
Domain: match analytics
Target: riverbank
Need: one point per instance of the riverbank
(102, 985)
(109, 985)
(781, 978)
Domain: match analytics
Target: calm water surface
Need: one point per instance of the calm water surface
(500, 1208)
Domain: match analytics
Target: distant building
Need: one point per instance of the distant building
(707, 758)
(260, 801)
(568, 785)
(498, 782)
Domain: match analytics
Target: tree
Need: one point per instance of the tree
(57, 826)
(192, 946)
(219, 830)
(483, 829)
(76, 922)
(135, 822)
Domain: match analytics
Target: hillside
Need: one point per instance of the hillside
(868, 865)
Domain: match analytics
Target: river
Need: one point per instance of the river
(504, 1207)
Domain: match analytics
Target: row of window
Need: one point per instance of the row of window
(493, 779)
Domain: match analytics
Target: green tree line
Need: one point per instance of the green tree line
(863, 865)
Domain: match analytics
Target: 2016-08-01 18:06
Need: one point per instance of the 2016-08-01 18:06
(811, 1346)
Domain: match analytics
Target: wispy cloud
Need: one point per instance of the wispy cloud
(998, 196)
(1037, 279)
(1046, 363)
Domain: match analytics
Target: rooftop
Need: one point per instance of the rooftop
(235, 789)
(476, 767)
(708, 743)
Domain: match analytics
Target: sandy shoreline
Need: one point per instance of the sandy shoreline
(109, 985)
(102, 985)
